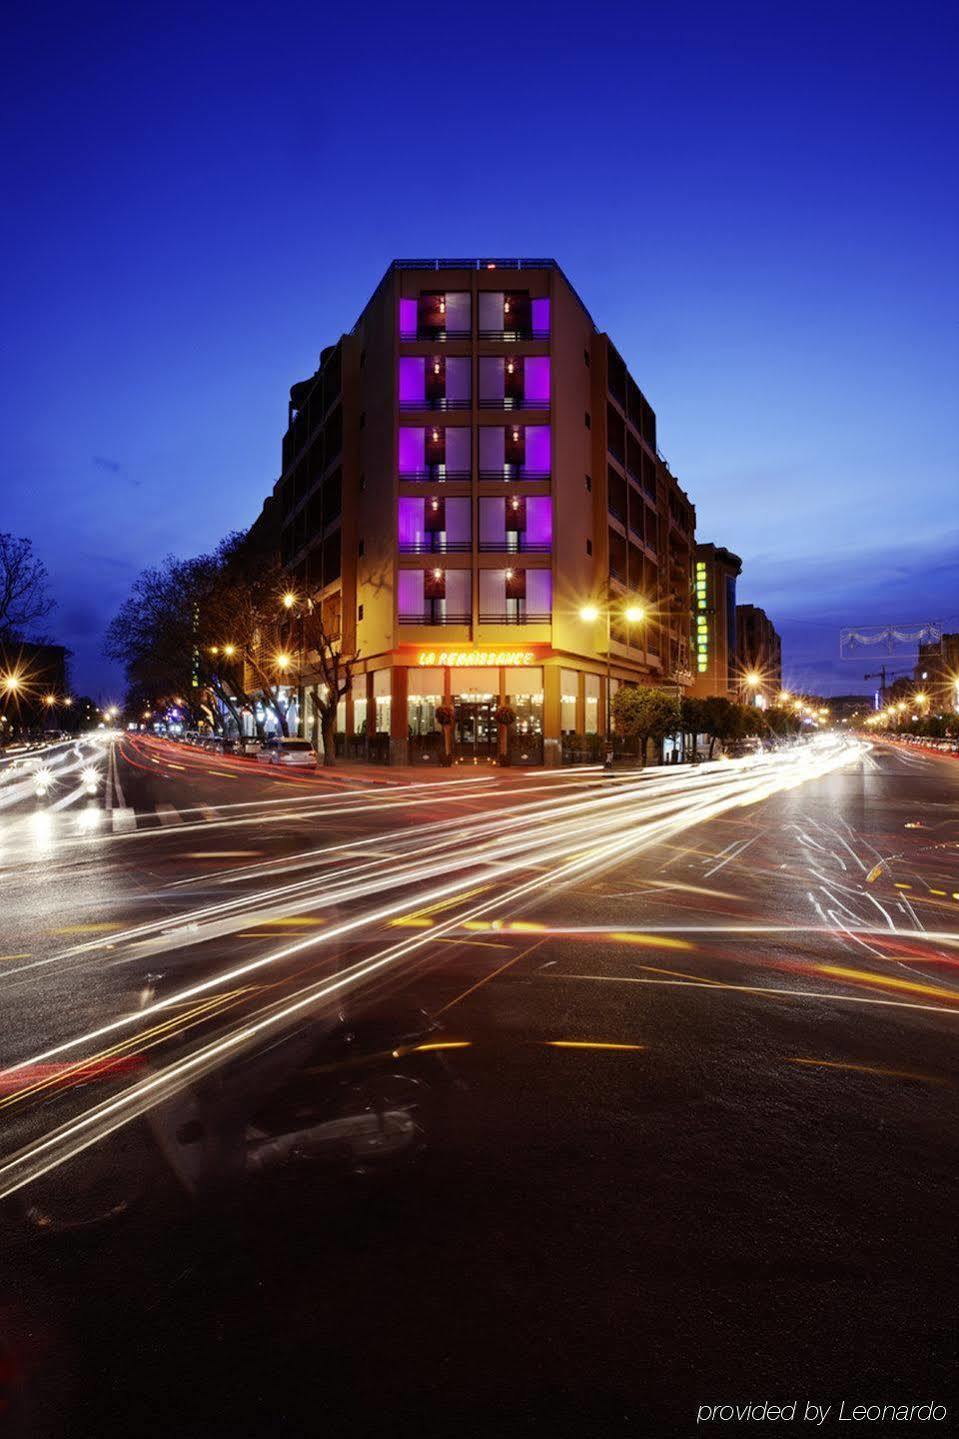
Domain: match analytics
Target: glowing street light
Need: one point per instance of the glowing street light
(289, 600)
(11, 683)
(283, 662)
(633, 614)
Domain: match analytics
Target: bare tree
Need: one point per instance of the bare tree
(23, 586)
(336, 671)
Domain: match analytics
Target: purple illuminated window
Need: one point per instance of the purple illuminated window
(539, 592)
(410, 592)
(539, 521)
(412, 379)
(408, 317)
(540, 313)
(536, 380)
(537, 449)
(412, 450)
(458, 458)
(457, 379)
(410, 525)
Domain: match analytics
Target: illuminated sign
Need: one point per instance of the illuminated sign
(455, 658)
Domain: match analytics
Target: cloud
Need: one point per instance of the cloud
(114, 467)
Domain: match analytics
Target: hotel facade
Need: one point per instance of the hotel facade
(468, 471)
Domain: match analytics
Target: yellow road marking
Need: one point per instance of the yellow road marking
(587, 1044)
(900, 885)
(651, 941)
(868, 1069)
(15, 956)
(874, 873)
(887, 981)
(87, 928)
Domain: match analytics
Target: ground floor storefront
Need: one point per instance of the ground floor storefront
(389, 716)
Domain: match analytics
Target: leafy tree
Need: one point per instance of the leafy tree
(23, 587)
(717, 720)
(692, 720)
(643, 713)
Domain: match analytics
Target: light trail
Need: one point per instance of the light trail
(563, 847)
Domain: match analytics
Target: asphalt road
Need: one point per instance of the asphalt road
(694, 1141)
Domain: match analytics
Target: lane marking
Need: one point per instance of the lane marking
(868, 1069)
(167, 814)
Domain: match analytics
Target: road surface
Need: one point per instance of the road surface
(698, 1142)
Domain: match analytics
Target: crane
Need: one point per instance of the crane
(882, 674)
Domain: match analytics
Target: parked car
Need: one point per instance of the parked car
(278, 750)
(242, 745)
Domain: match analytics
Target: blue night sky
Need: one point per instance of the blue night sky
(757, 201)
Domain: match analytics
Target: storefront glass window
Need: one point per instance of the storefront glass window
(421, 712)
(569, 683)
(591, 687)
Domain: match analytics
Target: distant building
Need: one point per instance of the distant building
(759, 654)
(716, 571)
(937, 673)
(467, 471)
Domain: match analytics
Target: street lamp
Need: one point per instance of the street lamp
(289, 600)
(283, 662)
(633, 614)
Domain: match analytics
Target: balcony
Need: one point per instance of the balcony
(436, 474)
(435, 382)
(437, 402)
(521, 383)
(515, 543)
(435, 332)
(513, 402)
(510, 473)
(515, 617)
(436, 315)
(435, 617)
(520, 332)
(435, 545)
(512, 315)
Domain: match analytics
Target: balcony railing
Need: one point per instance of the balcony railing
(434, 474)
(429, 332)
(514, 472)
(511, 402)
(520, 332)
(514, 618)
(439, 402)
(515, 544)
(435, 545)
(428, 617)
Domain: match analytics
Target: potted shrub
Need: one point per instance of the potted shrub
(444, 717)
(504, 717)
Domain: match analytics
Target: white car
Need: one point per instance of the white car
(287, 751)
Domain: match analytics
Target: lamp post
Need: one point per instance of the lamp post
(632, 614)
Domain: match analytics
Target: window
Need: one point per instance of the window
(359, 612)
(586, 358)
(568, 688)
(591, 689)
(589, 483)
(363, 421)
(589, 423)
(360, 548)
(589, 547)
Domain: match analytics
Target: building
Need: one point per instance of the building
(937, 673)
(759, 656)
(714, 622)
(469, 469)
